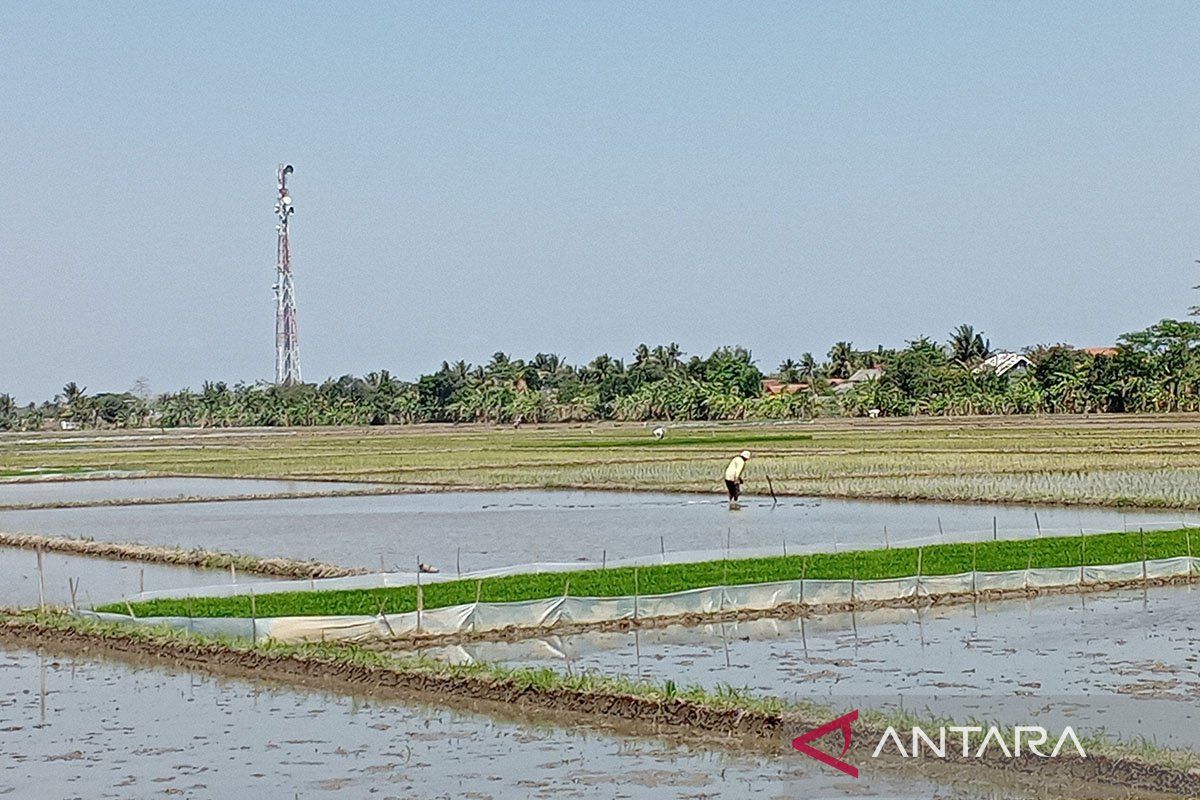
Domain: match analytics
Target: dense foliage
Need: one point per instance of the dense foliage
(1157, 369)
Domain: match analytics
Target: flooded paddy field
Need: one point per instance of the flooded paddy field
(1125, 662)
(83, 727)
(108, 489)
(492, 529)
(99, 580)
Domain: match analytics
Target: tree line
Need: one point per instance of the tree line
(1157, 369)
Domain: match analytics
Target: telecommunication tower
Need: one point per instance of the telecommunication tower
(287, 339)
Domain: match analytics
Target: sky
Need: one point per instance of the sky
(583, 177)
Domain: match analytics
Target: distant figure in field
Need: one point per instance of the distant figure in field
(733, 476)
(659, 433)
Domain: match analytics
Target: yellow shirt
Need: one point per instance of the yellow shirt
(734, 471)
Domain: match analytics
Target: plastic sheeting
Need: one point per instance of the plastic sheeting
(550, 612)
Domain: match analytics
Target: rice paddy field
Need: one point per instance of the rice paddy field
(996, 494)
(1145, 461)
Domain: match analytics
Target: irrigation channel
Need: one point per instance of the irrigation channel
(482, 530)
(1124, 662)
(72, 729)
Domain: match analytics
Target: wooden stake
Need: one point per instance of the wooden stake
(1038, 522)
(886, 544)
(941, 532)
(995, 530)
(974, 569)
(662, 547)
(1028, 565)
(458, 561)
(142, 580)
(1082, 555)
(420, 601)
(1142, 534)
(635, 593)
(41, 582)
(604, 559)
(771, 486)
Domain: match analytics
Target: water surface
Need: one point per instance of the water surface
(1126, 662)
(86, 728)
(482, 530)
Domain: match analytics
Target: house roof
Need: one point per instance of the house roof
(773, 386)
(1099, 351)
(1003, 363)
(866, 374)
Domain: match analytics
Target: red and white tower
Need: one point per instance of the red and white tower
(287, 337)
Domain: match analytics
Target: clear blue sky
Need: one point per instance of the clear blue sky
(582, 177)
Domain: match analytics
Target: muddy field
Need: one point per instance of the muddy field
(70, 729)
(1123, 662)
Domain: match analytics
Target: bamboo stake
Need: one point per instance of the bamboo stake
(458, 561)
(142, 580)
(1082, 555)
(253, 617)
(1142, 534)
(383, 616)
(941, 532)
(771, 486)
(604, 559)
(995, 530)
(1188, 536)
(41, 582)
(129, 608)
(635, 593)
(886, 544)
(803, 569)
(232, 573)
(974, 569)
(1038, 522)
(662, 548)
(1028, 565)
(920, 551)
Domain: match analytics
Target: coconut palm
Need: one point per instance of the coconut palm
(968, 347)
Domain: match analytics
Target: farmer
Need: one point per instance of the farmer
(733, 476)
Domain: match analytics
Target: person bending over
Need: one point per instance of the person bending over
(733, 476)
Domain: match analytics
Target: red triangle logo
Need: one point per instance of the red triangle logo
(843, 724)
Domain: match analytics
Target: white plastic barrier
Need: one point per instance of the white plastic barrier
(550, 612)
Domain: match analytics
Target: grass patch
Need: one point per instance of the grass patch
(941, 559)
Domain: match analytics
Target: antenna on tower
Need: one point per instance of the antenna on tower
(287, 338)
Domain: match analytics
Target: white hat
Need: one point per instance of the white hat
(745, 454)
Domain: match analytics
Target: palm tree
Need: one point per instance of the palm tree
(841, 360)
(808, 367)
(789, 371)
(968, 347)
